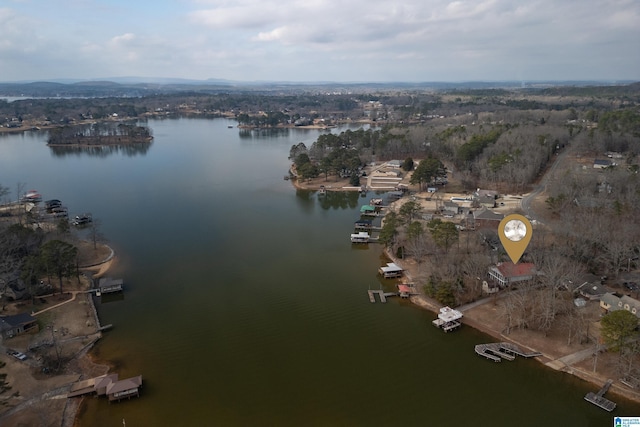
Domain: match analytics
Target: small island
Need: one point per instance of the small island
(102, 133)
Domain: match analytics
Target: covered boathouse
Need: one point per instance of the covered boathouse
(108, 385)
(448, 319)
(360, 237)
(390, 271)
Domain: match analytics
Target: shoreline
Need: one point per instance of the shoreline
(78, 323)
(89, 364)
(597, 379)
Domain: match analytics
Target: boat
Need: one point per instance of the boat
(322, 191)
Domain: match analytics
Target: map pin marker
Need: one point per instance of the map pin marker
(515, 234)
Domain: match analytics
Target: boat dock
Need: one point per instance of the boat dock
(446, 326)
(107, 285)
(448, 319)
(502, 350)
(598, 399)
(381, 294)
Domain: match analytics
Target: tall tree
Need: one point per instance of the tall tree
(618, 329)
(409, 210)
(427, 170)
(444, 233)
(59, 258)
(389, 229)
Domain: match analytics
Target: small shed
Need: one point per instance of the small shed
(405, 290)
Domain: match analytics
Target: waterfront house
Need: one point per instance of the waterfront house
(391, 270)
(506, 273)
(17, 324)
(450, 209)
(610, 302)
(486, 198)
(484, 218)
(591, 291)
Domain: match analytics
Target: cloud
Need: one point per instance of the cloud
(326, 39)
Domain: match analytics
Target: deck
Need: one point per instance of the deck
(598, 399)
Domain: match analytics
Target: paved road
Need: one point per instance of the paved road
(542, 184)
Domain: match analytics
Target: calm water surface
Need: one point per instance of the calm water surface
(246, 305)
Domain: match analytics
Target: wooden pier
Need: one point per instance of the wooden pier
(598, 399)
(502, 350)
(381, 294)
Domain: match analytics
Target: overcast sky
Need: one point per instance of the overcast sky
(321, 40)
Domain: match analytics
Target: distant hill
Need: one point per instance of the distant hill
(141, 86)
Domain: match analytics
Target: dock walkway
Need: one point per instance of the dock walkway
(502, 350)
(381, 294)
(598, 399)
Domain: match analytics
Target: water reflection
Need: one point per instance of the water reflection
(269, 133)
(129, 150)
(339, 200)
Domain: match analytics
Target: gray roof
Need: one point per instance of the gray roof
(486, 214)
(8, 322)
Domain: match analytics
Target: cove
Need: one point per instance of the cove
(246, 304)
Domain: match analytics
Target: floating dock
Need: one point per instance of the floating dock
(502, 350)
(598, 399)
(381, 294)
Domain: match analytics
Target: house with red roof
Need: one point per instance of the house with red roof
(506, 273)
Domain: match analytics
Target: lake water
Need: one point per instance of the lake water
(246, 305)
